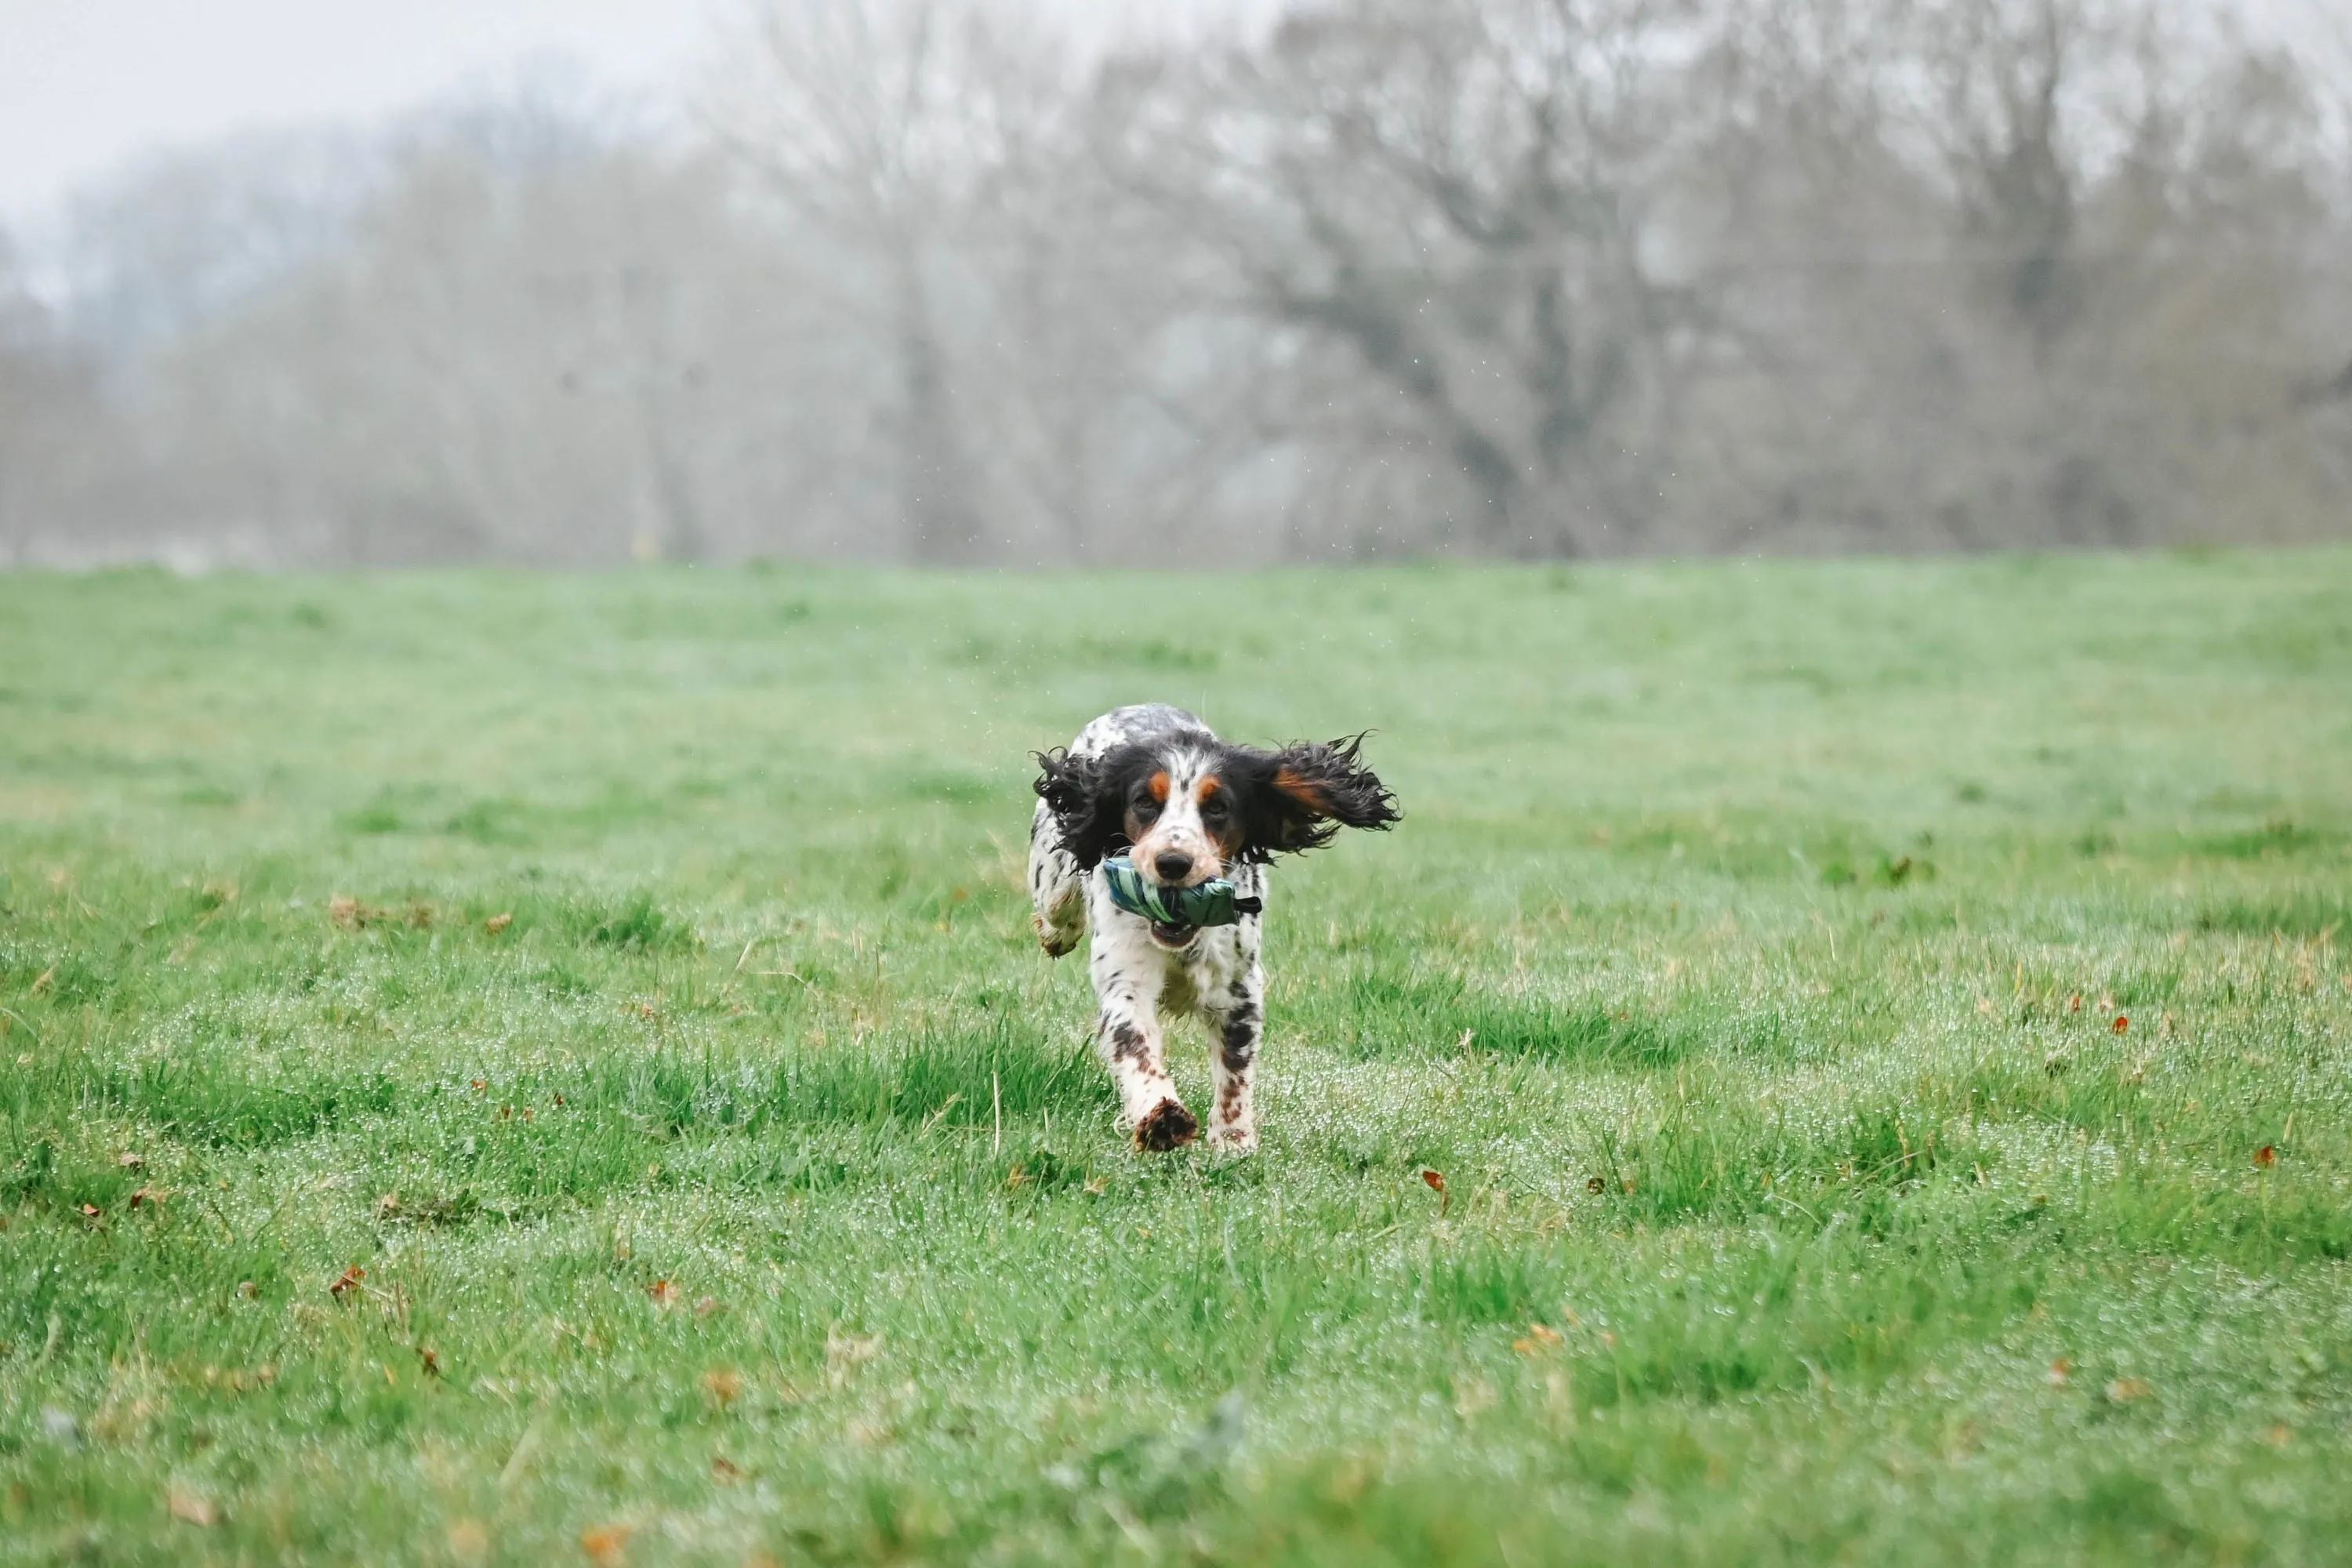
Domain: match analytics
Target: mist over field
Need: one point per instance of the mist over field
(931, 281)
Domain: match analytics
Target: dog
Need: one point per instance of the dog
(1154, 783)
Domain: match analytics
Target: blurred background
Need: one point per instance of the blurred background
(975, 281)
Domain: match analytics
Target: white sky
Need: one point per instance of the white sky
(87, 84)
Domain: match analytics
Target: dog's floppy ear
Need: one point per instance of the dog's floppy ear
(1083, 794)
(1305, 793)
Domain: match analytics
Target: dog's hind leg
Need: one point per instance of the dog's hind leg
(1239, 1024)
(1235, 1009)
(1056, 886)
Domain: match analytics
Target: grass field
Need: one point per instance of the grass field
(536, 1070)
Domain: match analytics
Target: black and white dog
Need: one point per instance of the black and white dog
(1153, 783)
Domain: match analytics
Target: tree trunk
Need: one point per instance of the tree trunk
(940, 512)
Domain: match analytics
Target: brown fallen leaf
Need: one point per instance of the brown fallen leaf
(1436, 1181)
(1538, 1339)
(42, 980)
(2123, 1023)
(2060, 1372)
(2123, 1390)
(724, 1470)
(92, 1214)
(348, 1284)
(481, 1085)
(130, 1161)
(191, 1508)
(723, 1383)
(247, 1290)
(147, 1196)
(607, 1545)
(2075, 1002)
(664, 1293)
(1596, 1185)
(468, 1541)
(2265, 1157)
(430, 1359)
(388, 1204)
(498, 924)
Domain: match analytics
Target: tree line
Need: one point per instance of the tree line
(921, 281)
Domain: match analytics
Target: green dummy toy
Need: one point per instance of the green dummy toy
(1213, 903)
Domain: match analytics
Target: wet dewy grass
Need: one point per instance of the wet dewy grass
(1840, 1060)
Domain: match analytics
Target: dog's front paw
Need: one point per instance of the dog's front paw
(1167, 1125)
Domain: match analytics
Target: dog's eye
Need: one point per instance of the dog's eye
(1215, 809)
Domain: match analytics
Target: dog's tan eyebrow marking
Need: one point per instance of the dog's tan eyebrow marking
(1160, 786)
(1206, 788)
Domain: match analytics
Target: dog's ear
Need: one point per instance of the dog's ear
(1083, 795)
(1305, 793)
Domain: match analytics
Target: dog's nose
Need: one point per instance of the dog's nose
(1173, 867)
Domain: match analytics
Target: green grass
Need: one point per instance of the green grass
(630, 974)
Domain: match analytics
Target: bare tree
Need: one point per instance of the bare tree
(46, 400)
(1465, 197)
(177, 239)
(879, 122)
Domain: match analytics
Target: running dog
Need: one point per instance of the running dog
(1142, 824)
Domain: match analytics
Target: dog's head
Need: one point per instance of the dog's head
(1189, 807)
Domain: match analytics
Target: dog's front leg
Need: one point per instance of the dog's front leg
(1128, 977)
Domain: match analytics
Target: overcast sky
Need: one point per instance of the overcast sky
(86, 84)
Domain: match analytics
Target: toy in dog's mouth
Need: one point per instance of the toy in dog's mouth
(1176, 913)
